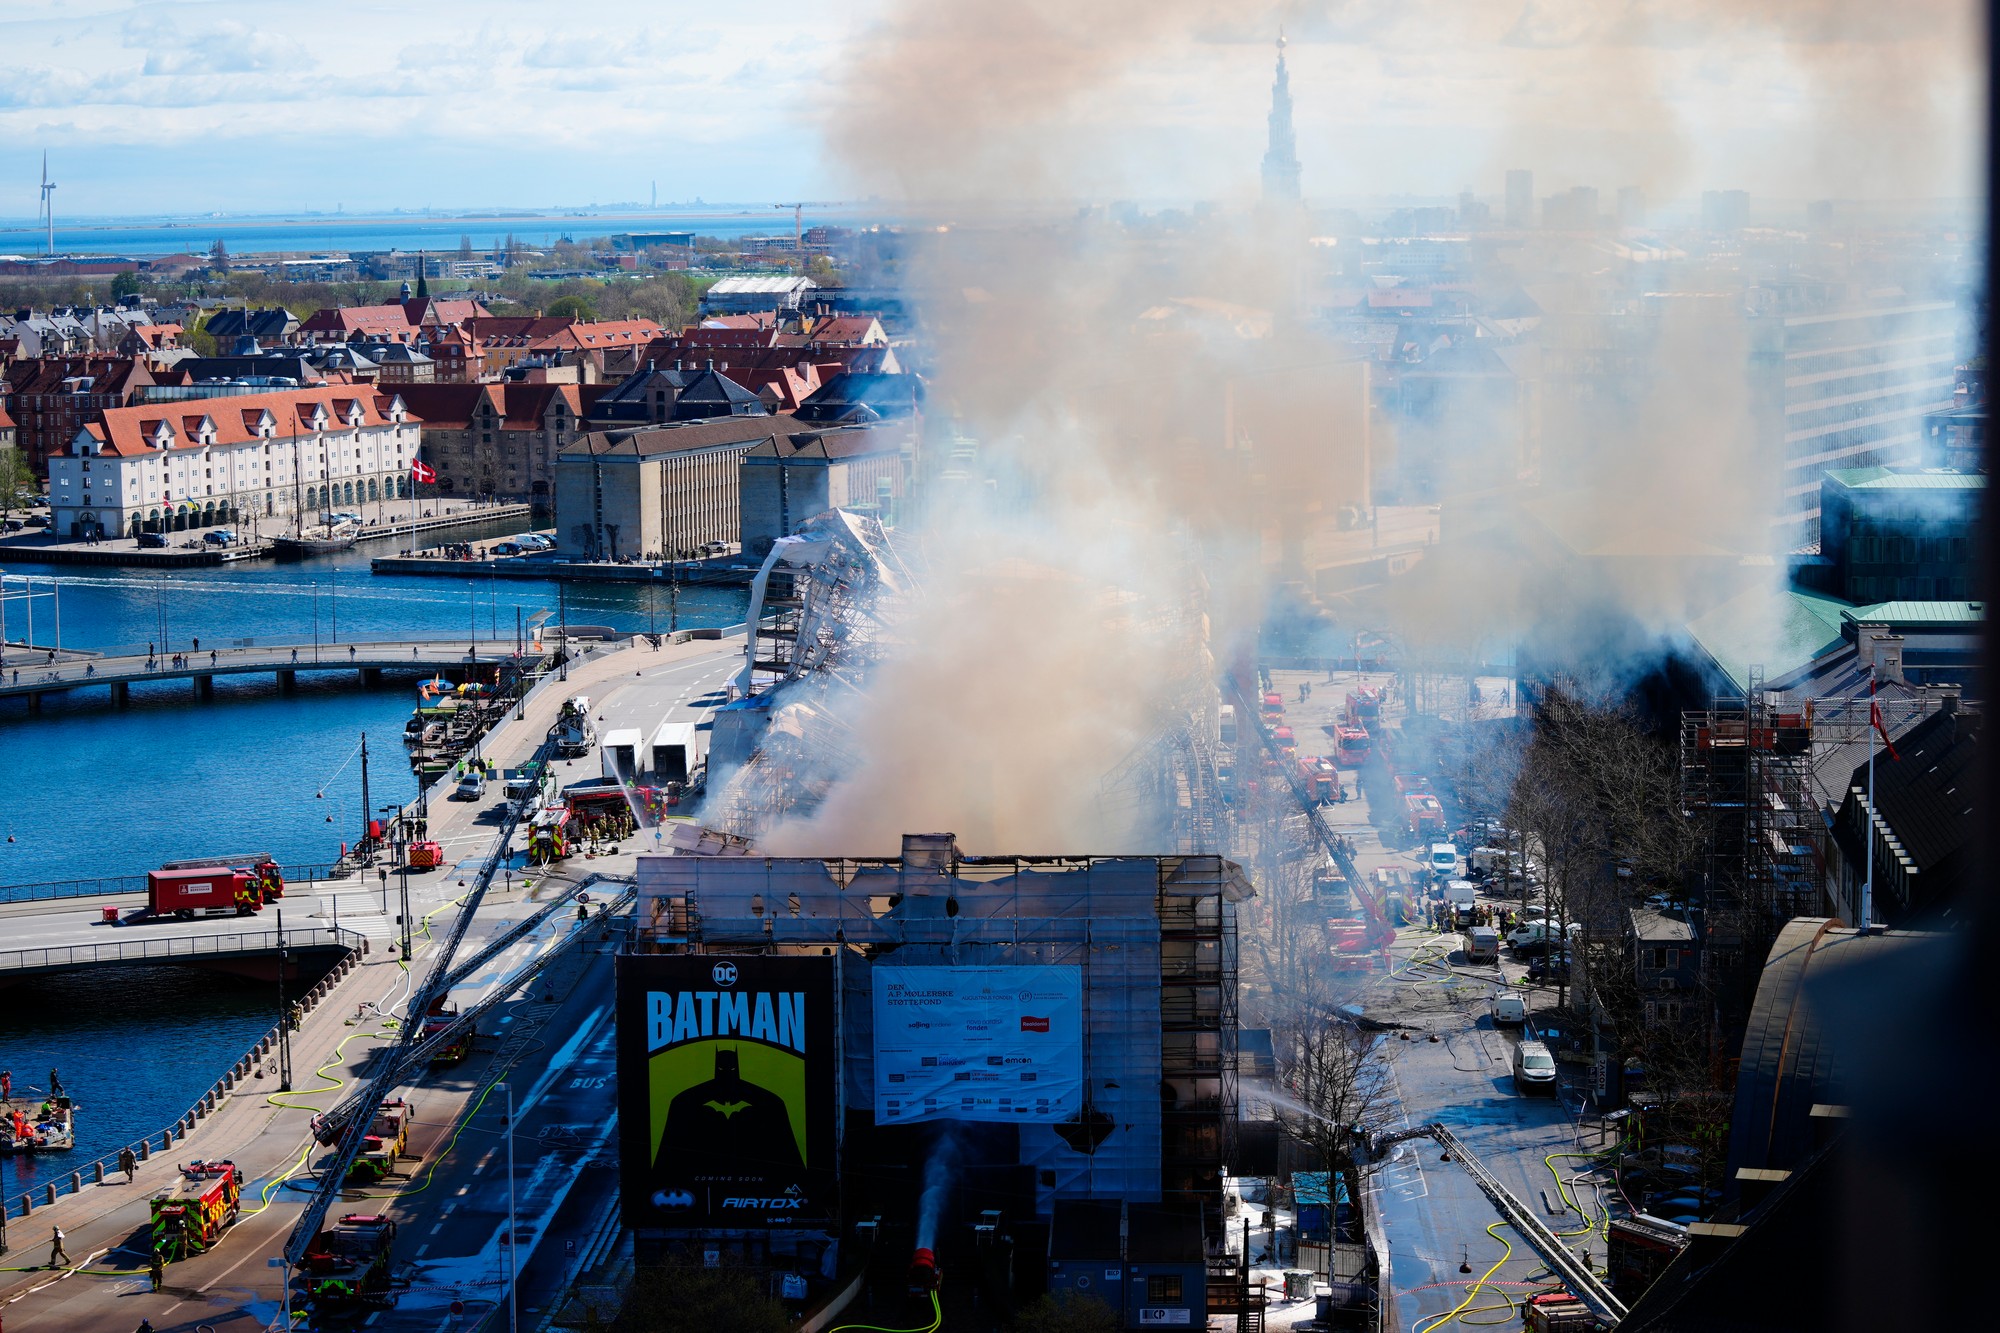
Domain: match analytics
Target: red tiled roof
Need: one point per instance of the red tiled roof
(601, 334)
(127, 431)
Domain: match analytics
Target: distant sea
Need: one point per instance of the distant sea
(311, 234)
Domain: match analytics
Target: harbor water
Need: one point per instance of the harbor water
(98, 790)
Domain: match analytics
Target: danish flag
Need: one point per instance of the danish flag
(1875, 720)
(421, 471)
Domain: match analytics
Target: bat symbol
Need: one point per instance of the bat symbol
(727, 1109)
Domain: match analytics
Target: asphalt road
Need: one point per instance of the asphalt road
(1435, 1217)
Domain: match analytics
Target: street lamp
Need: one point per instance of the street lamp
(513, 1266)
(315, 588)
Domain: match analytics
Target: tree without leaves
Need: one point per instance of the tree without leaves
(1067, 1313)
(1328, 1067)
(689, 1298)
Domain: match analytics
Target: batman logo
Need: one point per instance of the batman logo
(727, 1109)
(677, 1199)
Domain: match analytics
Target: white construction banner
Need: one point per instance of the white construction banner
(978, 1043)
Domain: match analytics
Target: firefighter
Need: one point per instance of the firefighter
(157, 1270)
(57, 1254)
(297, 1016)
(128, 1162)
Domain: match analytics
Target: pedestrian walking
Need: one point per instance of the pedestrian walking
(211, 657)
(149, 652)
(295, 654)
(6, 1085)
(58, 1256)
(128, 1162)
(196, 644)
(157, 1270)
(350, 652)
(55, 1084)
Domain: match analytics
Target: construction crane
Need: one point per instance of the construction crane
(798, 218)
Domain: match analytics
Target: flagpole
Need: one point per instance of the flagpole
(1868, 879)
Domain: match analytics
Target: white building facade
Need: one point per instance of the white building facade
(249, 460)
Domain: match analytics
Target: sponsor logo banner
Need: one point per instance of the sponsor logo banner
(978, 1043)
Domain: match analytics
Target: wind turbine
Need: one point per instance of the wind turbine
(48, 217)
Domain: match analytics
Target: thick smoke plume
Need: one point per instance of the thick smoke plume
(1127, 408)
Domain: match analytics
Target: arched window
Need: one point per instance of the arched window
(373, 494)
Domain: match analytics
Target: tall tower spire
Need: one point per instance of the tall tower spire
(1281, 158)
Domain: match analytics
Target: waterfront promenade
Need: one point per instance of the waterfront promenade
(547, 1041)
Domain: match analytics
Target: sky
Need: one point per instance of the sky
(187, 106)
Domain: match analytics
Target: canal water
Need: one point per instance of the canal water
(92, 789)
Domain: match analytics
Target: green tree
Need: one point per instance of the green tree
(15, 477)
(1067, 1313)
(124, 284)
(576, 307)
(199, 339)
(687, 1298)
(465, 246)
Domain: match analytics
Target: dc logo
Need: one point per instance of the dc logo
(724, 974)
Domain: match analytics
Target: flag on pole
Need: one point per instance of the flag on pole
(422, 472)
(1875, 720)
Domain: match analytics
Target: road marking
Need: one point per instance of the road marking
(435, 1229)
(425, 1246)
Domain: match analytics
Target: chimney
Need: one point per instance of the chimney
(1889, 658)
(1948, 699)
(1755, 1184)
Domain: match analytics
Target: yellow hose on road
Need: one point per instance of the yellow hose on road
(937, 1319)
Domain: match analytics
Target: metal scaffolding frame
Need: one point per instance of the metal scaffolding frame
(1154, 936)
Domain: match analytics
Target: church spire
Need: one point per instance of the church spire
(1281, 159)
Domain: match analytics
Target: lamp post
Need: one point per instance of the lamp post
(513, 1265)
(315, 588)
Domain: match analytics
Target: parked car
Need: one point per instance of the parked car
(1482, 945)
(507, 548)
(150, 541)
(1535, 936)
(1534, 1068)
(1551, 966)
(472, 786)
(1509, 1010)
(220, 537)
(536, 541)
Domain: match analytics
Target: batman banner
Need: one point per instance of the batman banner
(727, 1073)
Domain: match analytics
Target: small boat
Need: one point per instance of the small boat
(50, 1127)
(433, 688)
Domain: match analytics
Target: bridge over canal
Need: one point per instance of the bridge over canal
(284, 660)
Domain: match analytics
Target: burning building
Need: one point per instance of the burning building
(929, 1044)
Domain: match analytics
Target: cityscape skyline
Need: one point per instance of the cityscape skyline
(169, 101)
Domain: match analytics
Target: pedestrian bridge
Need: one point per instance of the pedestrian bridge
(71, 672)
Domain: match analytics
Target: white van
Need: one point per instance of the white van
(1444, 860)
(1509, 1011)
(1534, 1068)
(1463, 898)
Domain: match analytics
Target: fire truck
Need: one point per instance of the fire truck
(1350, 746)
(441, 1016)
(187, 892)
(1321, 779)
(1271, 708)
(426, 854)
(1363, 708)
(348, 1264)
(190, 1216)
(388, 1134)
(1423, 817)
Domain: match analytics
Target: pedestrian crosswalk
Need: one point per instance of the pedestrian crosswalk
(358, 911)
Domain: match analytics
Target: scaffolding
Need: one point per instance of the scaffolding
(1155, 938)
(1746, 769)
